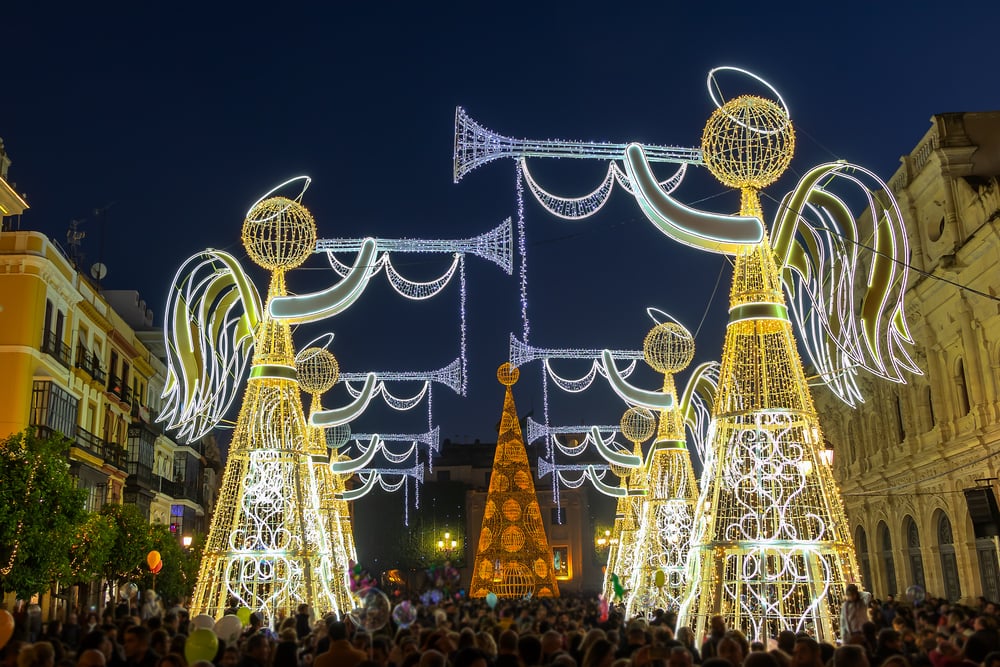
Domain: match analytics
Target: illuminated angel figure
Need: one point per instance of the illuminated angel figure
(652, 561)
(269, 546)
(772, 550)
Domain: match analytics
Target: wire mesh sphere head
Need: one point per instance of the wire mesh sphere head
(668, 347)
(317, 369)
(638, 424)
(279, 233)
(508, 375)
(748, 142)
(338, 436)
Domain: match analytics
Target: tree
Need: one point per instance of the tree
(92, 547)
(180, 566)
(131, 542)
(42, 511)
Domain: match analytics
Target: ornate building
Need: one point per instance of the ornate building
(906, 457)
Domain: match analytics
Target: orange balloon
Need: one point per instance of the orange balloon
(6, 627)
(152, 558)
(156, 568)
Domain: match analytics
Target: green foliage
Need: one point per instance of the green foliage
(42, 512)
(180, 566)
(131, 541)
(92, 548)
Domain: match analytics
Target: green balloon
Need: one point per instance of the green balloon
(243, 613)
(659, 579)
(202, 644)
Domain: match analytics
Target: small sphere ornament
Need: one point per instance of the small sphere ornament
(508, 375)
(279, 234)
(638, 424)
(668, 347)
(317, 369)
(748, 142)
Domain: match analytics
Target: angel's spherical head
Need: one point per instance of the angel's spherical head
(748, 142)
(317, 369)
(668, 347)
(279, 233)
(638, 424)
(508, 375)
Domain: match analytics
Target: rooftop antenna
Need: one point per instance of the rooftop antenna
(73, 239)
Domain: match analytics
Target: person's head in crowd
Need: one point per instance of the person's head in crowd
(761, 659)
(717, 626)
(992, 659)
(286, 653)
(466, 638)
(757, 646)
(786, 641)
(432, 658)
(895, 661)
(806, 653)
(552, 643)
(529, 649)
(507, 644)
(170, 622)
(39, 654)
(826, 650)
(849, 655)
(336, 631)
(978, 645)
(202, 663)
(685, 635)
(230, 657)
(10, 652)
(258, 647)
(486, 644)
(136, 643)
(601, 653)
(159, 641)
(592, 636)
(677, 656)
(91, 657)
(730, 649)
(172, 660)
(470, 657)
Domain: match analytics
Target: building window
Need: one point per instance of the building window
(888, 563)
(899, 420)
(558, 515)
(54, 407)
(913, 552)
(560, 562)
(861, 543)
(962, 387)
(949, 566)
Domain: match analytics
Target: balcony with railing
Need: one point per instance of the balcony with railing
(119, 389)
(141, 473)
(89, 362)
(58, 350)
(108, 452)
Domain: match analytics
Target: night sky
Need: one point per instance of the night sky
(174, 118)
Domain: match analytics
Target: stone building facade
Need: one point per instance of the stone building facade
(906, 457)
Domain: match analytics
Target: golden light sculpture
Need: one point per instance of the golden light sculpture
(318, 371)
(771, 549)
(513, 559)
(268, 547)
(658, 578)
(637, 426)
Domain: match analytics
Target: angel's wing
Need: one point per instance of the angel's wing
(213, 311)
(846, 277)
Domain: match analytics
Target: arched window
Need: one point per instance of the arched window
(861, 544)
(888, 564)
(989, 569)
(913, 552)
(949, 566)
(962, 388)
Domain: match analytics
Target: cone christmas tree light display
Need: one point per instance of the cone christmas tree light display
(637, 425)
(513, 559)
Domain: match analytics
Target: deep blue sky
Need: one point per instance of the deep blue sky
(181, 115)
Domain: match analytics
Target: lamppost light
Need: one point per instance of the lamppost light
(186, 541)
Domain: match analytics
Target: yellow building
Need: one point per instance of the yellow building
(906, 458)
(73, 363)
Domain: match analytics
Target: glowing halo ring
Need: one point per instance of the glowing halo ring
(316, 342)
(306, 180)
(719, 104)
(653, 311)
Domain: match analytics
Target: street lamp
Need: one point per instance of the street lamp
(186, 541)
(447, 545)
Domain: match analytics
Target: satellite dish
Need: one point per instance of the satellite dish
(98, 271)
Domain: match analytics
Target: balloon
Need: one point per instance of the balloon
(616, 586)
(228, 628)
(659, 578)
(152, 558)
(128, 591)
(202, 644)
(156, 568)
(373, 609)
(203, 621)
(602, 609)
(243, 613)
(915, 594)
(7, 626)
(404, 614)
(491, 599)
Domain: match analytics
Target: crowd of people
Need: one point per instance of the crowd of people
(565, 632)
